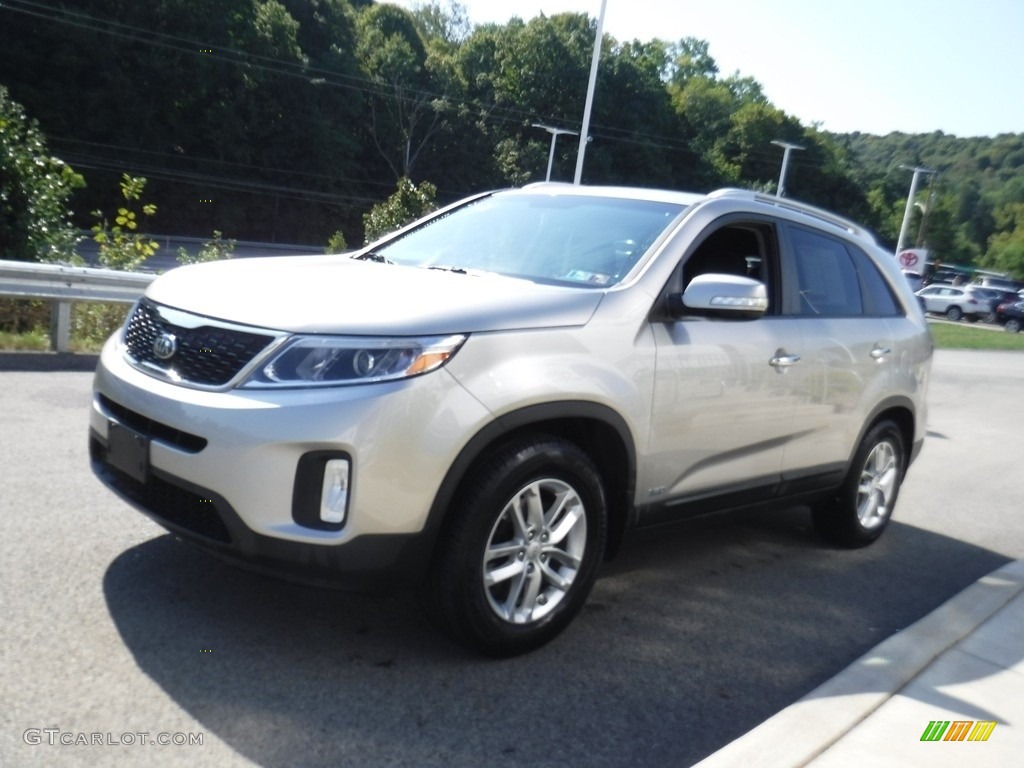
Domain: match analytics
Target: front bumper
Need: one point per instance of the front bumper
(221, 467)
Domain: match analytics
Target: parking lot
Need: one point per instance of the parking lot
(693, 636)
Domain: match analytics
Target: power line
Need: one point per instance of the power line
(214, 182)
(303, 71)
(63, 140)
(489, 112)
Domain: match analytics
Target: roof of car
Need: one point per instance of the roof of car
(628, 193)
(689, 198)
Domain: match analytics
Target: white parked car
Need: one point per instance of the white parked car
(956, 302)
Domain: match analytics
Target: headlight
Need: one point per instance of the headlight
(326, 361)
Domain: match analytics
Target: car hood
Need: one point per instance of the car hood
(336, 294)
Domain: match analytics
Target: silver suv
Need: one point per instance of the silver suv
(485, 403)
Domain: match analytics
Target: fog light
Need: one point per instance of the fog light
(334, 492)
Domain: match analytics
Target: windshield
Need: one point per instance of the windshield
(569, 239)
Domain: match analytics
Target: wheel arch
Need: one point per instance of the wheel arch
(596, 429)
(899, 410)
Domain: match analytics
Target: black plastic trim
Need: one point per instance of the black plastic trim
(152, 429)
(309, 477)
(544, 418)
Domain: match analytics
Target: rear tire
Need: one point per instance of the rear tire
(954, 314)
(861, 510)
(520, 553)
(1013, 325)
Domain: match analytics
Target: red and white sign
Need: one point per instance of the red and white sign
(911, 257)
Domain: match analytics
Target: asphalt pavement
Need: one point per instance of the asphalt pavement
(946, 691)
(696, 636)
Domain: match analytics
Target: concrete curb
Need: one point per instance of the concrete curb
(802, 731)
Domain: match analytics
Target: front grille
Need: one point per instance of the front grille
(165, 500)
(209, 354)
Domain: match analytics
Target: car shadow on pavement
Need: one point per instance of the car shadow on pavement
(694, 635)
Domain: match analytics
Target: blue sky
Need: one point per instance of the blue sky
(873, 66)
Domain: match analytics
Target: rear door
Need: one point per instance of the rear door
(845, 311)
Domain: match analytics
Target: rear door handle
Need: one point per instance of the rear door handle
(782, 360)
(880, 353)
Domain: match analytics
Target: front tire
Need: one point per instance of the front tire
(520, 553)
(1013, 325)
(863, 507)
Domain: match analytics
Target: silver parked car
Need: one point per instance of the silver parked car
(485, 403)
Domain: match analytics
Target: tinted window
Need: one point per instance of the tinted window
(878, 298)
(827, 278)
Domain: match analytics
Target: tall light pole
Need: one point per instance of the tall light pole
(595, 59)
(555, 133)
(925, 208)
(787, 147)
(910, 204)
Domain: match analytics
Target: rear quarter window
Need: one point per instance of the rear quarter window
(828, 282)
(877, 294)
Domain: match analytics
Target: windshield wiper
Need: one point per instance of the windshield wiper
(446, 268)
(374, 257)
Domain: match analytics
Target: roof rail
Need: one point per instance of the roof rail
(795, 205)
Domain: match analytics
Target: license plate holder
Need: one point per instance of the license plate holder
(128, 451)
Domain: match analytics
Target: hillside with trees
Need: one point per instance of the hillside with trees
(288, 120)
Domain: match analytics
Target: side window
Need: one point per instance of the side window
(740, 249)
(878, 298)
(827, 278)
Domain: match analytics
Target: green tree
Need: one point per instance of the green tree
(690, 58)
(448, 23)
(34, 191)
(405, 110)
(408, 203)
(1006, 248)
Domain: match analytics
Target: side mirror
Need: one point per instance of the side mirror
(722, 296)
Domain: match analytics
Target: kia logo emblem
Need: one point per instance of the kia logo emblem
(165, 346)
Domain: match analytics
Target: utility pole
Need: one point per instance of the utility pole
(910, 204)
(590, 94)
(555, 133)
(925, 210)
(785, 164)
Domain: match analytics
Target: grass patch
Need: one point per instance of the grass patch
(35, 340)
(957, 336)
(25, 325)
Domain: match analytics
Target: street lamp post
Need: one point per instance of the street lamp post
(584, 136)
(910, 204)
(555, 133)
(787, 147)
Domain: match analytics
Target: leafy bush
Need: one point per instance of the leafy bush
(34, 192)
(216, 249)
(336, 243)
(121, 246)
(407, 204)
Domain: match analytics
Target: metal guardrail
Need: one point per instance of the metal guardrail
(63, 285)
